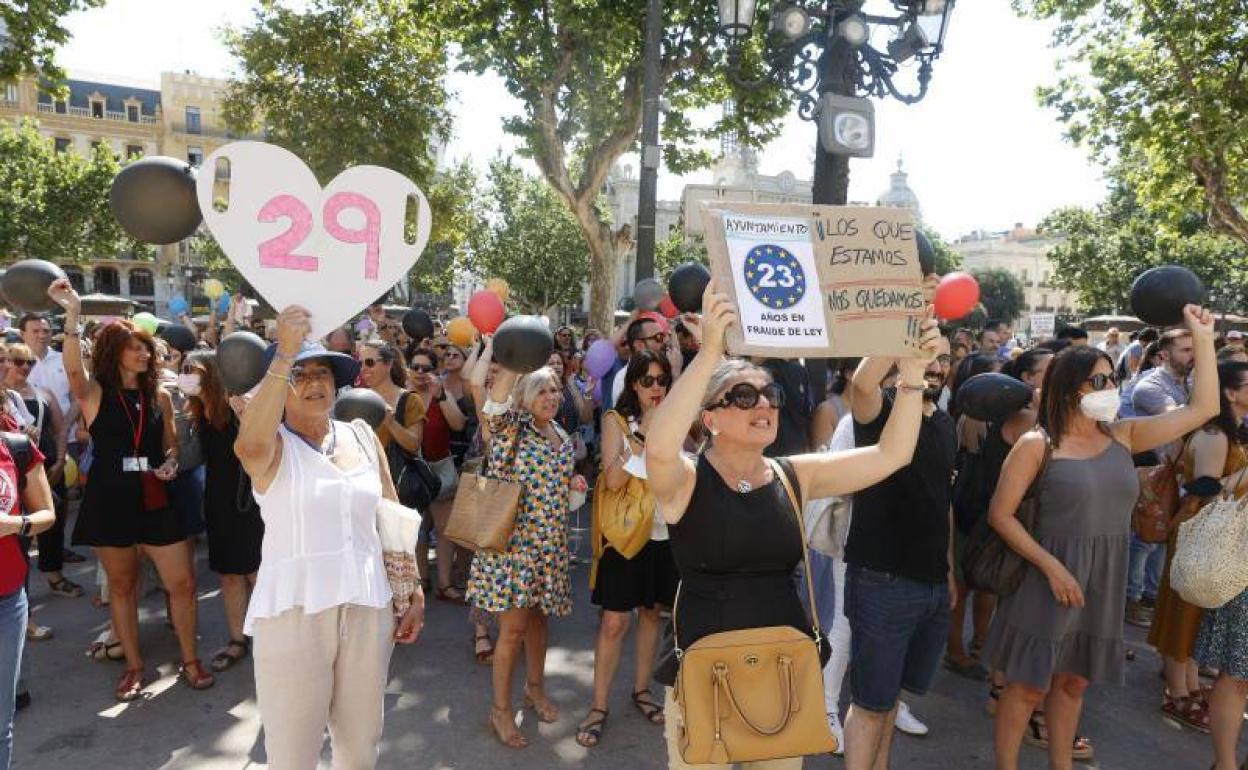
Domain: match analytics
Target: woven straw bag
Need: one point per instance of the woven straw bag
(1210, 565)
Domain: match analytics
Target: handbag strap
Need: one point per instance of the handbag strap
(1033, 489)
(782, 473)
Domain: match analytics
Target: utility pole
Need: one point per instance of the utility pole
(648, 188)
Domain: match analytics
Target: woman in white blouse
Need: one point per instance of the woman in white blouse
(320, 614)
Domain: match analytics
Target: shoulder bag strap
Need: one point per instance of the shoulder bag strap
(782, 468)
(22, 451)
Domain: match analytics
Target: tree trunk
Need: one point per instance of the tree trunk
(603, 258)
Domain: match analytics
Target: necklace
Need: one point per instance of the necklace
(333, 439)
(743, 481)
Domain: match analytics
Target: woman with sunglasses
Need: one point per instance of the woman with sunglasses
(235, 527)
(565, 340)
(734, 533)
(442, 416)
(49, 436)
(125, 511)
(1062, 629)
(646, 582)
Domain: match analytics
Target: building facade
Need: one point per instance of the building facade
(1024, 254)
(180, 118)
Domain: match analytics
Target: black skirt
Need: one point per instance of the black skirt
(646, 580)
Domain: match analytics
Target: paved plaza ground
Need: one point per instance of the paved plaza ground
(437, 704)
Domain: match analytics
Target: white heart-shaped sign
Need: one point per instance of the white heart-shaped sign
(333, 250)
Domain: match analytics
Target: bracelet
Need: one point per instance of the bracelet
(278, 376)
(902, 386)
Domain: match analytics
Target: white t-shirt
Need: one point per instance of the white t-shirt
(49, 373)
(617, 385)
(635, 465)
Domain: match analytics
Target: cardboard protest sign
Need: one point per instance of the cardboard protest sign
(817, 281)
(333, 250)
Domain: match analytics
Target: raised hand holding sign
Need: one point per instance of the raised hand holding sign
(333, 250)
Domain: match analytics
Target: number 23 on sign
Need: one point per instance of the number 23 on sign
(279, 251)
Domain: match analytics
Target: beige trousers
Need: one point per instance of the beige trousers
(671, 731)
(327, 669)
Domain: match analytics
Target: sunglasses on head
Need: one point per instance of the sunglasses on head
(1102, 381)
(745, 395)
(649, 380)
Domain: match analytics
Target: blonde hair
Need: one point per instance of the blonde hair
(528, 386)
(18, 348)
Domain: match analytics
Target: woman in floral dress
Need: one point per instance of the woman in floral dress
(529, 582)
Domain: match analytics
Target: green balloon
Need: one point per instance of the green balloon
(145, 321)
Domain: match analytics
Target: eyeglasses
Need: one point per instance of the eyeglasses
(649, 380)
(660, 337)
(301, 376)
(424, 368)
(22, 361)
(1102, 381)
(745, 395)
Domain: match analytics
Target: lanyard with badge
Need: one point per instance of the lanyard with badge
(135, 463)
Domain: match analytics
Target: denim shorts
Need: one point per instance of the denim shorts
(899, 627)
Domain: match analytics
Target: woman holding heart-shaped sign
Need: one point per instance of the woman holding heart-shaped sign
(321, 614)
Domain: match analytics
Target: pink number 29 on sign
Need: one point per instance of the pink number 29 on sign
(278, 252)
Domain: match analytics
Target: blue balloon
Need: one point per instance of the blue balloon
(178, 305)
(223, 304)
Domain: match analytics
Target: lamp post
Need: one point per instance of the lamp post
(820, 51)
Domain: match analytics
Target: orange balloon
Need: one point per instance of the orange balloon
(498, 286)
(461, 332)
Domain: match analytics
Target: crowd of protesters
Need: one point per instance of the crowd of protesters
(884, 467)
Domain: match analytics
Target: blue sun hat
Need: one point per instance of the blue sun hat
(344, 367)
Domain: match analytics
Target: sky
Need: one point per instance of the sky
(980, 152)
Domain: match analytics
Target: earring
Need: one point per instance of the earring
(714, 432)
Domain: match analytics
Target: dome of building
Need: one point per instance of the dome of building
(899, 194)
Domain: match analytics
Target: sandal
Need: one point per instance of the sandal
(130, 688)
(514, 739)
(648, 706)
(546, 711)
(227, 657)
(193, 673)
(1188, 712)
(589, 731)
(38, 633)
(103, 649)
(65, 587)
(1038, 735)
(450, 594)
(483, 648)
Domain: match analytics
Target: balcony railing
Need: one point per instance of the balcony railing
(212, 132)
(85, 112)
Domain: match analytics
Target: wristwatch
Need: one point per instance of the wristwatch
(25, 526)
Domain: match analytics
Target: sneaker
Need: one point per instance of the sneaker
(907, 722)
(1139, 615)
(838, 732)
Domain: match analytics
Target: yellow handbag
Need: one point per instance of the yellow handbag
(622, 518)
(753, 694)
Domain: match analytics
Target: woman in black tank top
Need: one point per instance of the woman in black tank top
(734, 533)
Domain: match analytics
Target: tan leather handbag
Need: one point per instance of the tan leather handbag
(484, 513)
(753, 694)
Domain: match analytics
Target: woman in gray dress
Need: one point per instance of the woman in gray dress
(1062, 629)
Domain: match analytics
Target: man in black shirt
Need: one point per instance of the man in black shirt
(898, 580)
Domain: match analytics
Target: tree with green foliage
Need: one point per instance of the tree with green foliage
(55, 204)
(576, 68)
(343, 83)
(30, 33)
(675, 250)
(1105, 248)
(1161, 85)
(1000, 293)
(525, 235)
(947, 260)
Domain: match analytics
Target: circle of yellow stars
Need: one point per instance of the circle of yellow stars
(787, 279)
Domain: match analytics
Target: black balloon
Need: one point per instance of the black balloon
(626, 304)
(1160, 293)
(523, 344)
(417, 324)
(927, 254)
(154, 199)
(240, 357)
(992, 396)
(686, 285)
(178, 336)
(360, 404)
(26, 285)
(648, 293)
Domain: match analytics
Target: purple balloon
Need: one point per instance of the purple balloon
(599, 358)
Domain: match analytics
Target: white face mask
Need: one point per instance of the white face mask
(1100, 405)
(189, 384)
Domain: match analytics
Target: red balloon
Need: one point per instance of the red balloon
(667, 307)
(486, 311)
(956, 296)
